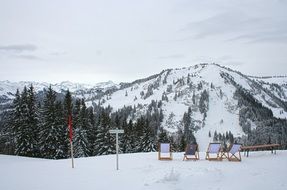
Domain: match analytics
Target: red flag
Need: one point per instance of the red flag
(70, 128)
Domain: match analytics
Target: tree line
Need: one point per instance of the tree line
(38, 127)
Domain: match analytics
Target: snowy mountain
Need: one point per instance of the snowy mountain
(277, 85)
(180, 89)
(87, 91)
(216, 99)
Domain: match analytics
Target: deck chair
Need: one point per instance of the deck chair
(234, 150)
(224, 151)
(213, 148)
(164, 152)
(191, 152)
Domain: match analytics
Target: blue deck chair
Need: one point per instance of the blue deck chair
(164, 152)
(213, 148)
(234, 150)
(191, 152)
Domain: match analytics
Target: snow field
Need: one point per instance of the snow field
(262, 170)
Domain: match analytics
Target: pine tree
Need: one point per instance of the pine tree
(147, 140)
(67, 111)
(60, 122)
(33, 114)
(188, 78)
(129, 138)
(182, 143)
(80, 142)
(16, 122)
(104, 141)
(193, 98)
(139, 126)
(203, 102)
(173, 144)
(23, 143)
(164, 97)
(91, 131)
(162, 136)
(175, 96)
(52, 133)
(188, 127)
(215, 136)
(7, 139)
(68, 105)
(231, 138)
(25, 125)
(131, 146)
(161, 116)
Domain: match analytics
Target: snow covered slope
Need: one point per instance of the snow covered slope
(179, 89)
(142, 171)
(278, 85)
(8, 89)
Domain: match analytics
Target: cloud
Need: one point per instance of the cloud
(20, 51)
(28, 57)
(223, 23)
(99, 52)
(19, 48)
(273, 36)
(238, 26)
(226, 60)
(174, 56)
(233, 63)
(58, 53)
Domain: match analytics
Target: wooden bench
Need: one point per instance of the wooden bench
(271, 147)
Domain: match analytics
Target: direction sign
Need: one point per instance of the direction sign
(117, 131)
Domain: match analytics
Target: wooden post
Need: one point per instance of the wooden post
(117, 149)
(71, 138)
(72, 154)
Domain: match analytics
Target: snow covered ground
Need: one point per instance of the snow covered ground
(262, 170)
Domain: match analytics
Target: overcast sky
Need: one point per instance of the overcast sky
(123, 40)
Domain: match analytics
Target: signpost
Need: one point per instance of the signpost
(71, 138)
(117, 131)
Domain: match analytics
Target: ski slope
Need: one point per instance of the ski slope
(142, 171)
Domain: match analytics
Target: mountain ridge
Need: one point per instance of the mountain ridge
(210, 94)
(72, 86)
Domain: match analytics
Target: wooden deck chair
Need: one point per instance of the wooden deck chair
(191, 152)
(235, 148)
(213, 148)
(224, 151)
(164, 152)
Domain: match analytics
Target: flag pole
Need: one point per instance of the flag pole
(71, 140)
(72, 153)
